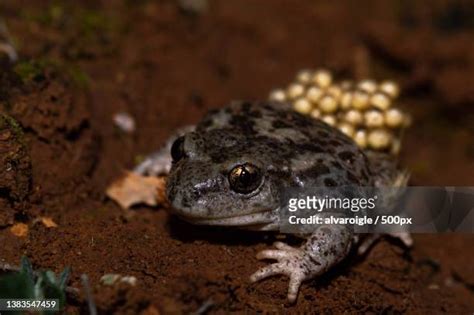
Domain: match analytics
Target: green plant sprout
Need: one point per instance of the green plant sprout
(36, 285)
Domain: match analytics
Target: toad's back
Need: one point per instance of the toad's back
(305, 151)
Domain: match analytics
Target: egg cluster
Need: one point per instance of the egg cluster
(362, 110)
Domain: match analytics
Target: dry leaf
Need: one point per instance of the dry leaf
(48, 222)
(134, 189)
(19, 229)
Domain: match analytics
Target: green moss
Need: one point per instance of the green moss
(34, 69)
(29, 70)
(79, 77)
(7, 122)
(93, 21)
(85, 31)
(67, 15)
(50, 16)
(16, 161)
(55, 12)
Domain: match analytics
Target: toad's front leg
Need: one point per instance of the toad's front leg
(323, 249)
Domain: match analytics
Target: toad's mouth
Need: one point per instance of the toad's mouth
(246, 220)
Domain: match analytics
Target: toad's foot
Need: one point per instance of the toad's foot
(292, 262)
(323, 249)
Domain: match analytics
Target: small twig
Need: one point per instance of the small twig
(8, 267)
(88, 292)
(7, 45)
(204, 307)
(8, 49)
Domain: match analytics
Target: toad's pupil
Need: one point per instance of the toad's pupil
(246, 177)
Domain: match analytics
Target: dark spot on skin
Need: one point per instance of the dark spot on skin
(335, 143)
(351, 177)
(255, 114)
(317, 170)
(309, 147)
(323, 134)
(290, 141)
(279, 124)
(314, 261)
(300, 120)
(243, 123)
(347, 156)
(330, 182)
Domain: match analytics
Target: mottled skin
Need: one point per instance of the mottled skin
(288, 150)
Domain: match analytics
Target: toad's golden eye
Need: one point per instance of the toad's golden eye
(245, 178)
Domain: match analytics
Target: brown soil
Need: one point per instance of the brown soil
(166, 65)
